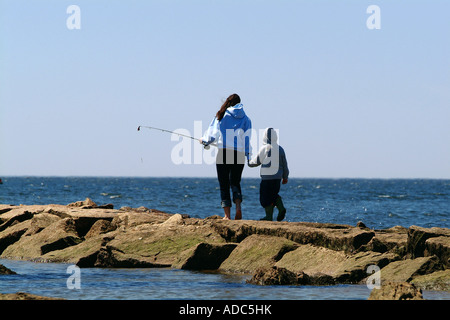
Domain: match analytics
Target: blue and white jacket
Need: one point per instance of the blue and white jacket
(232, 132)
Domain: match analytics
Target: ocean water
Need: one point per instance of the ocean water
(378, 203)
(50, 279)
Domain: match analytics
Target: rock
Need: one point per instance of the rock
(281, 276)
(257, 251)
(58, 235)
(100, 227)
(59, 244)
(41, 221)
(95, 252)
(374, 245)
(392, 240)
(84, 224)
(332, 266)
(83, 254)
(165, 243)
(214, 217)
(13, 234)
(24, 296)
(5, 270)
(275, 276)
(174, 220)
(316, 253)
(145, 209)
(133, 218)
(417, 237)
(406, 270)
(91, 213)
(312, 260)
(207, 256)
(438, 280)
(87, 203)
(361, 225)
(440, 247)
(333, 236)
(106, 206)
(5, 208)
(320, 280)
(14, 216)
(110, 257)
(396, 291)
(354, 268)
(89, 260)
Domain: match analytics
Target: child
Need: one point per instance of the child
(274, 168)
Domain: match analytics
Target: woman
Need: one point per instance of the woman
(231, 130)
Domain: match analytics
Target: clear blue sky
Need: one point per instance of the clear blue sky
(348, 101)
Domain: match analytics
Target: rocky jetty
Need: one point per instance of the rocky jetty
(5, 270)
(396, 291)
(303, 253)
(24, 296)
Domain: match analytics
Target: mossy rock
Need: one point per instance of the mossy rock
(255, 252)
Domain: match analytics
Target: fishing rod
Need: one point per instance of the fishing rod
(205, 144)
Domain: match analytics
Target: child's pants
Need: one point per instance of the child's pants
(268, 191)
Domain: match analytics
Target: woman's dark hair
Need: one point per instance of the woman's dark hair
(231, 101)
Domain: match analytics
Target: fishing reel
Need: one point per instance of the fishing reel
(205, 145)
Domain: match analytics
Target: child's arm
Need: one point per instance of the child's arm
(254, 162)
(284, 165)
(258, 160)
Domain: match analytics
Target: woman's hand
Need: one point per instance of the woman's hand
(205, 145)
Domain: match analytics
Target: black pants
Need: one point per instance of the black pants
(229, 165)
(268, 191)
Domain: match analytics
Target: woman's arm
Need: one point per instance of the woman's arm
(247, 138)
(212, 133)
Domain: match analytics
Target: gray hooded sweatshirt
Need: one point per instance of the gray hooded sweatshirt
(271, 157)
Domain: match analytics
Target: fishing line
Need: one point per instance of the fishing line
(205, 144)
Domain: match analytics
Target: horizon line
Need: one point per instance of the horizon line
(211, 177)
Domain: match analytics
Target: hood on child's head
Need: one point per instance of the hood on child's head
(270, 136)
